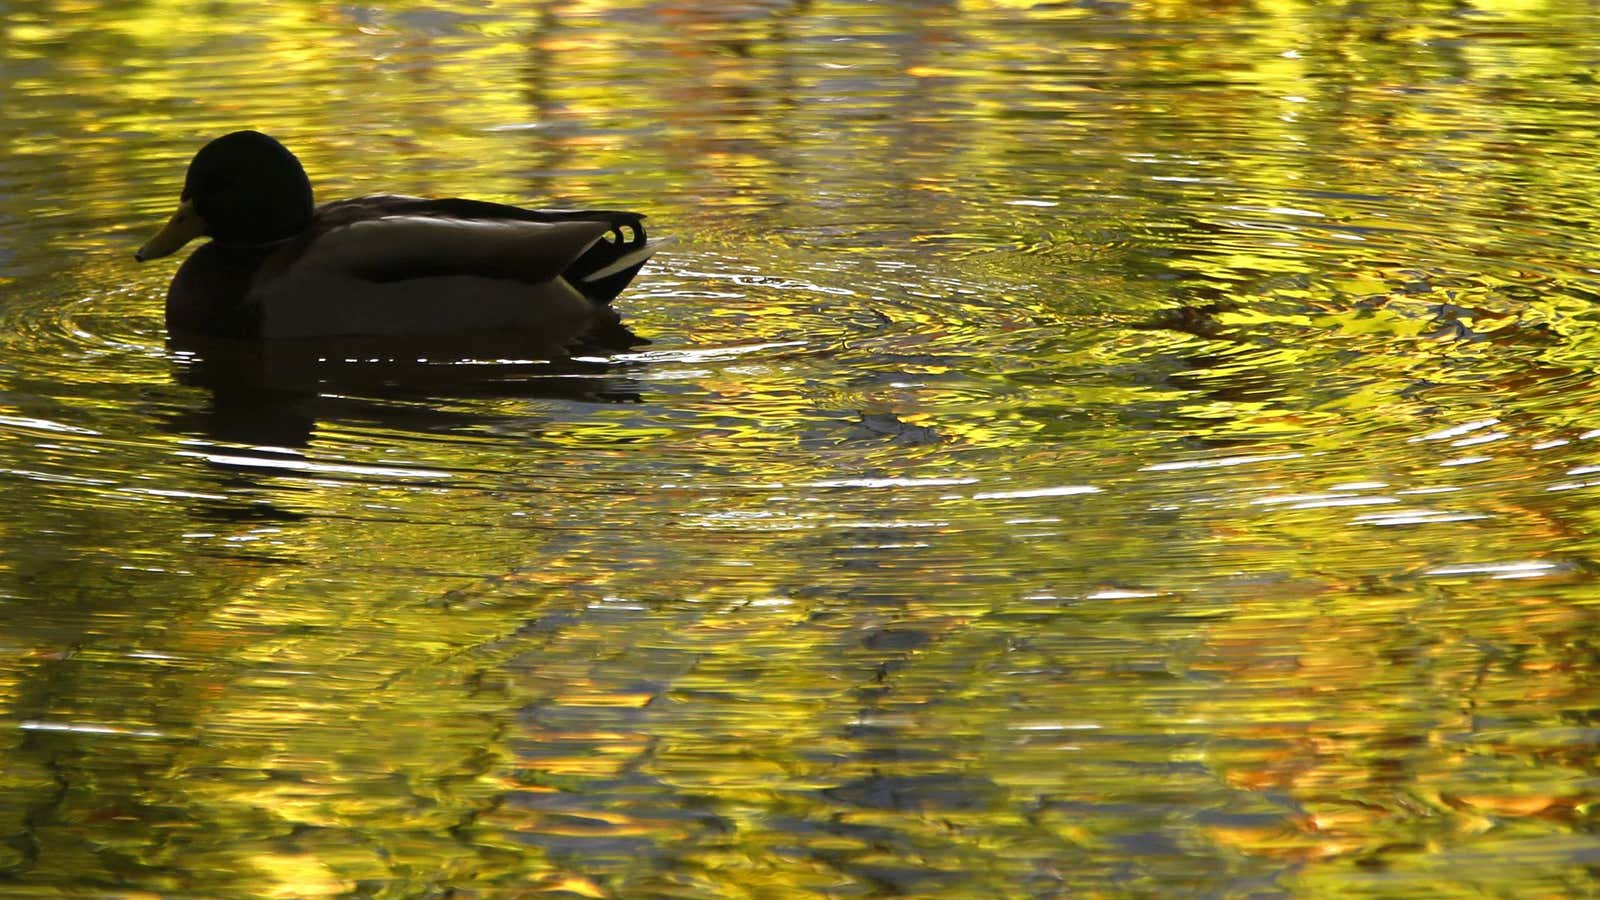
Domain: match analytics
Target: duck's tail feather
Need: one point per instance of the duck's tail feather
(610, 263)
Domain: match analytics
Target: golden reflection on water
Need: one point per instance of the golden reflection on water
(1090, 448)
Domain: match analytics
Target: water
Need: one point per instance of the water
(1120, 448)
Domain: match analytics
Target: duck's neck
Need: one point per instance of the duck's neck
(208, 293)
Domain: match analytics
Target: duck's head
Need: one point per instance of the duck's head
(243, 188)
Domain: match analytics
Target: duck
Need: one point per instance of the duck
(279, 266)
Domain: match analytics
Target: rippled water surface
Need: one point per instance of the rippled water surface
(1087, 448)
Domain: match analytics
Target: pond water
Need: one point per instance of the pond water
(1116, 448)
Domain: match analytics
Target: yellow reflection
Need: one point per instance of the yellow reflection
(914, 465)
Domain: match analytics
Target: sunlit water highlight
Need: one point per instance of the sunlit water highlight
(1135, 449)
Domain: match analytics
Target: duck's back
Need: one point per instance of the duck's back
(392, 265)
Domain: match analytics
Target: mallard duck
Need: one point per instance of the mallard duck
(278, 266)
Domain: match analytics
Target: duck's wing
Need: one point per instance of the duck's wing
(399, 266)
(395, 246)
(388, 238)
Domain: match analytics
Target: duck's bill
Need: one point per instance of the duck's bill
(184, 226)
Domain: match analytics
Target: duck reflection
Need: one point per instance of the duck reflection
(274, 393)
